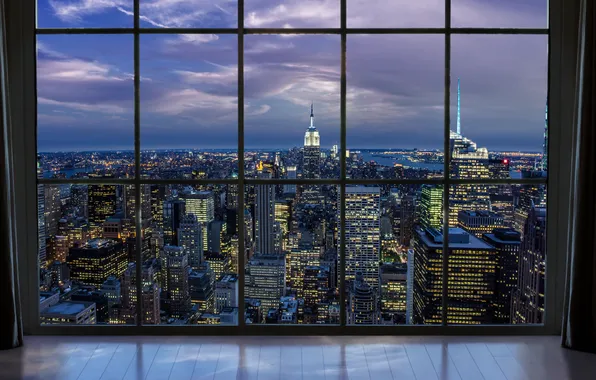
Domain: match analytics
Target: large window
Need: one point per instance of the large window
(320, 162)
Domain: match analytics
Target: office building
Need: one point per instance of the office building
(363, 235)
(407, 217)
(202, 205)
(266, 280)
(264, 219)
(102, 204)
(362, 302)
(95, 261)
(173, 212)
(507, 244)
(178, 292)
(431, 207)
(471, 286)
(226, 292)
(394, 286)
(190, 236)
(311, 164)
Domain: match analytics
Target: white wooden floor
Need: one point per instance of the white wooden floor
(308, 358)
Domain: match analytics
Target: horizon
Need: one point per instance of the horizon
(189, 83)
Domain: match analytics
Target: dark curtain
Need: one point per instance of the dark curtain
(11, 333)
(579, 327)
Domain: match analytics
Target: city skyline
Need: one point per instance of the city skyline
(188, 92)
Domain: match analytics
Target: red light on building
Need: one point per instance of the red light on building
(505, 161)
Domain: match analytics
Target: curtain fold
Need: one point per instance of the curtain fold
(579, 326)
(11, 332)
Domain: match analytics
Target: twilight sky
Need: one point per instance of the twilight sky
(189, 82)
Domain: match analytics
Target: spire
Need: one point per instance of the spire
(458, 109)
(312, 115)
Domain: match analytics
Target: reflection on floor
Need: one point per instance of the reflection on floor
(308, 358)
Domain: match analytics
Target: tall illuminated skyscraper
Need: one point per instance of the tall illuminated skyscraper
(173, 212)
(266, 281)
(177, 272)
(507, 242)
(431, 207)
(102, 204)
(363, 233)
(311, 168)
(190, 236)
(471, 284)
(202, 205)
(407, 215)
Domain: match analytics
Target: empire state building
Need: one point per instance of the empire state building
(312, 151)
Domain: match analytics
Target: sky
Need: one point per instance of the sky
(188, 92)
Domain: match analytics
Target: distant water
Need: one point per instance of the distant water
(68, 173)
(391, 160)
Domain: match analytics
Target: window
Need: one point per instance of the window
(324, 162)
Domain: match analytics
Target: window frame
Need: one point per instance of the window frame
(562, 26)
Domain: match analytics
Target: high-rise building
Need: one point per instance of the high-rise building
(52, 210)
(129, 202)
(102, 204)
(177, 274)
(363, 234)
(507, 243)
(394, 292)
(311, 166)
(96, 260)
(264, 219)
(157, 199)
(480, 222)
(266, 281)
(219, 264)
(173, 212)
(528, 299)
(190, 236)
(202, 205)
(226, 292)
(111, 289)
(431, 207)
(407, 216)
(362, 302)
(217, 235)
(471, 286)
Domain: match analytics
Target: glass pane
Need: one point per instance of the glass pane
(192, 254)
(391, 279)
(498, 126)
(84, 14)
(499, 13)
(292, 89)
(497, 250)
(189, 106)
(87, 239)
(85, 106)
(291, 254)
(188, 14)
(292, 14)
(396, 14)
(395, 106)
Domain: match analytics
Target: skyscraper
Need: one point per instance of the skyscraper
(471, 284)
(190, 237)
(173, 212)
(264, 219)
(507, 242)
(266, 281)
(480, 222)
(202, 205)
(102, 204)
(177, 271)
(363, 233)
(407, 215)
(311, 167)
(528, 299)
(431, 207)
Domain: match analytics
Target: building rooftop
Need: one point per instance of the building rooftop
(98, 243)
(68, 308)
(229, 277)
(458, 239)
(482, 213)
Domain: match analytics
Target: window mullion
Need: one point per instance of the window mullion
(137, 186)
(241, 206)
(446, 163)
(342, 166)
